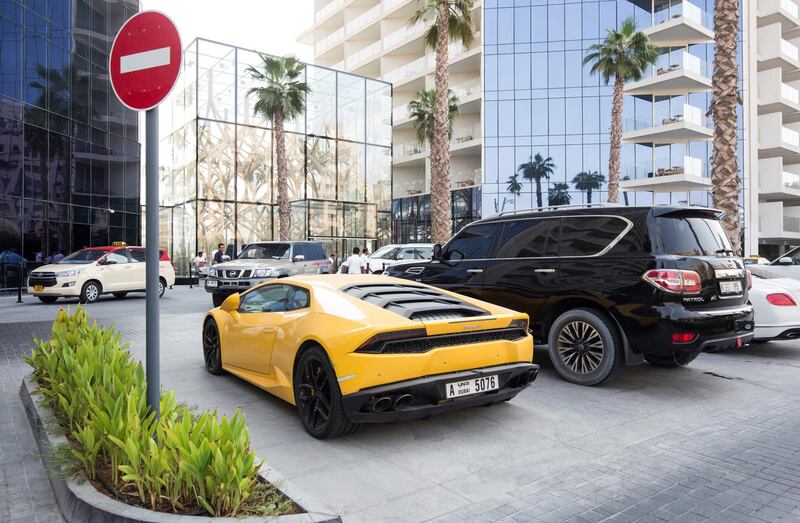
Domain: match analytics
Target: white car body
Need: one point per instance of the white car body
(393, 254)
(775, 321)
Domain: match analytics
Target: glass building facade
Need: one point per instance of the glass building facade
(539, 98)
(411, 215)
(216, 159)
(69, 151)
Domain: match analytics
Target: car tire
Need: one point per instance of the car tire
(591, 346)
(671, 361)
(217, 299)
(318, 397)
(120, 294)
(162, 287)
(377, 272)
(90, 292)
(47, 299)
(212, 347)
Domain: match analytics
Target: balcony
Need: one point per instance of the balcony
(775, 96)
(465, 138)
(409, 151)
(327, 10)
(363, 20)
(363, 56)
(404, 34)
(686, 124)
(688, 176)
(778, 140)
(680, 24)
(329, 41)
(777, 221)
(783, 12)
(776, 182)
(774, 51)
(455, 52)
(675, 73)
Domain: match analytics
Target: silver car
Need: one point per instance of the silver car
(389, 255)
(262, 261)
(787, 266)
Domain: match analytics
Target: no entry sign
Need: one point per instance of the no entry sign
(145, 60)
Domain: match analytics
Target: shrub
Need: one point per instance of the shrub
(179, 462)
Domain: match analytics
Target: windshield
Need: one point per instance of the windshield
(265, 251)
(84, 256)
(385, 252)
(692, 236)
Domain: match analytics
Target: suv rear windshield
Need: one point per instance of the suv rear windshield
(265, 251)
(692, 236)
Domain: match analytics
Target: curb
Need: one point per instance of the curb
(80, 502)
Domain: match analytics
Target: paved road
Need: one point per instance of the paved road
(718, 441)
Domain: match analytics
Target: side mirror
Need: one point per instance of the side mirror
(299, 258)
(785, 261)
(437, 252)
(106, 261)
(231, 303)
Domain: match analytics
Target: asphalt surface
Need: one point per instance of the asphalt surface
(718, 440)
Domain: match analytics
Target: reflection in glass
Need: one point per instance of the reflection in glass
(351, 107)
(253, 222)
(254, 164)
(351, 172)
(321, 177)
(215, 161)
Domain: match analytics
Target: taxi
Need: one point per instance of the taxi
(89, 273)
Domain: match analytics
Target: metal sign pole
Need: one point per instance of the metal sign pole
(153, 255)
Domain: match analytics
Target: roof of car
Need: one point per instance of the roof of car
(657, 210)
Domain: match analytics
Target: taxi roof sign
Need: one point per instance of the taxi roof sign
(119, 244)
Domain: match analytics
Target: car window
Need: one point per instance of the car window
(117, 256)
(313, 252)
(299, 298)
(588, 235)
(270, 298)
(265, 251)
(472, 243)
(529, 239)
(138, 255)
(387, 252)
(83, 256)
(691, 236)
(298, 250)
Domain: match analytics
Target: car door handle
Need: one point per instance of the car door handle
(475, 271)
(544, 270)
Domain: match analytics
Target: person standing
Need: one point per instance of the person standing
(353, 263)
(220, 252)
(58, 257)
(365, 261)
(334, 266)
(200, 264)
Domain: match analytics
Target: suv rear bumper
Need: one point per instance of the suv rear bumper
(715, 329)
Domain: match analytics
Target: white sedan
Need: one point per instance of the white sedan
(392, 254)
(775, 305)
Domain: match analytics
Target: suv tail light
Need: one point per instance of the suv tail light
(781, 300)
(749, 277)
(674, 281)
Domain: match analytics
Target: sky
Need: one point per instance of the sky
(269, 26)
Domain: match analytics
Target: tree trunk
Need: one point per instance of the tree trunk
(589, 195)
(440, 139)
(538, 193)
(724, 165)
(616, 141)
(284, 212)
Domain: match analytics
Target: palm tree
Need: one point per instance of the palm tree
(281, 95)
(450, 21)
(724, 167)
(559, 194)
(421, 111)
(588, 181)
(624, 55)
(537, 169)
(514, 186)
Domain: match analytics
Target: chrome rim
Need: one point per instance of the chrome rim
(314, 394)
(160, 288)
(92, 292)
(580, 347)
(211, 346)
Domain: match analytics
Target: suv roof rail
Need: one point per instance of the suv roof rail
(558, 207)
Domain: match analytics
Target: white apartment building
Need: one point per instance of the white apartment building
(373, 38)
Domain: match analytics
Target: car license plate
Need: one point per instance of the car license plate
(730, 287)
(456, 389)
(211, 283)
(38, 288)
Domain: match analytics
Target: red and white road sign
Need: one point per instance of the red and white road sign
(145, 60)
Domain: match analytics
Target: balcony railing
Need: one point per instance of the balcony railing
(791, 180)
(388, 5)
(680, 60)
(790, 50)
(403, 34)
(685, 9)
(329, 41)
(465, 133)
(400, 113)
(328, 9)
(467, 90)
(688, 166)
(404, 150)
(790, 137)
(363, 55)
(364, 19)
(424, 63)
(791, 224)
(790, 7)
(790, 93)
(680, 113)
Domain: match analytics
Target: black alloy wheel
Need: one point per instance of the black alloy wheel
(580, 347)
(318, 398)
(212, 349)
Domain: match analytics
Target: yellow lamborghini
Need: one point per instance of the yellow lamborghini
(351, 349)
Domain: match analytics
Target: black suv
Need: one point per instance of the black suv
(604, 285)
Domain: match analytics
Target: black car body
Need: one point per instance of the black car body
(654, 283)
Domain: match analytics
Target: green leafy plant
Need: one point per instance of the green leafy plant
(182, 461)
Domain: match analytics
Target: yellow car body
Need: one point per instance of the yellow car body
(383, 338)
